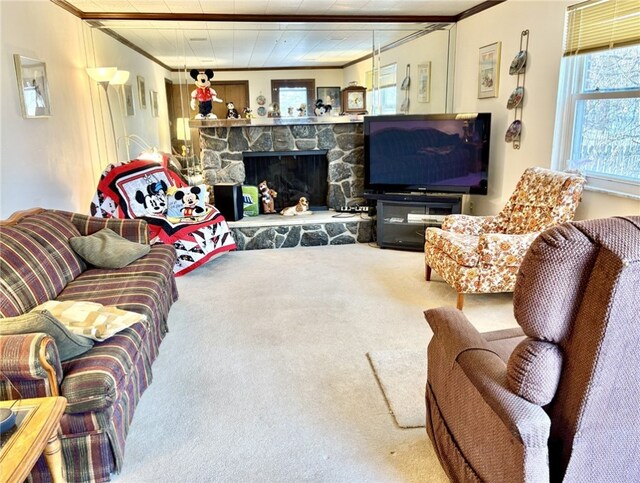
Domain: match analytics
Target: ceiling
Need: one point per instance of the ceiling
(262, 34)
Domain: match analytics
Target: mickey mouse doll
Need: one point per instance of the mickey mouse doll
(204, 94)
(232, 112)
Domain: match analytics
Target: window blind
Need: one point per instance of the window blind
(601, 25)
(387, 77)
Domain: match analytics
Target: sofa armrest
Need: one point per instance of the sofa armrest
(504, 250)
(135, 230)
(469, 225)
(466, 347)
(32, 364)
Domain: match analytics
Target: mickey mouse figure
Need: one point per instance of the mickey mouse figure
(203, 94)
(321, 108)
(190, 201)
(232, 112)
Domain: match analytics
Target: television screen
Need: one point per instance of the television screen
(442, 153)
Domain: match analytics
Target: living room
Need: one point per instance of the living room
(278, 417)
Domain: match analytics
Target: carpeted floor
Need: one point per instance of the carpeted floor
(264, 374)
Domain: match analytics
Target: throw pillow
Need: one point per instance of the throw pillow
(106, 249)
(69, 345)
(89, 319)
(187, 202)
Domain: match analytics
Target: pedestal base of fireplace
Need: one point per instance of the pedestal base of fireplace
(322, 228)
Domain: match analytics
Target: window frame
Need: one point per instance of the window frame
(570, 93)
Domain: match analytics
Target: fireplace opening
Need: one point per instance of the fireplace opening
(292, 174)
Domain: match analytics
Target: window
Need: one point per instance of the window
(382, 100)
(598, 116)
(290, 94)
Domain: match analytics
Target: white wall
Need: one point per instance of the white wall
(504, 23)
(433, 48)
(56, 162)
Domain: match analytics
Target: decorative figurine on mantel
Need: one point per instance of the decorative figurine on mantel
(302, 208)
(232, 112)
(321, 108)
(203, 94)
(267, 196)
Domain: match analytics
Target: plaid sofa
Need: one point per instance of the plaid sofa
(103, 385)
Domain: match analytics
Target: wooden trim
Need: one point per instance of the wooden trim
(127, 43)
(50, 370)
(68, 7)
(19, 215)
(254, 69)
(257, 18)
(477, 9)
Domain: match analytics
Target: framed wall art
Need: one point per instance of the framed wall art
(33, 87)
(127, 98)
(424, 82)
(153, 99)
(142, 93)
(489, 70)
(331, 96)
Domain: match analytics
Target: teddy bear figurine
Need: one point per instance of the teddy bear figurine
(204, 94)
(232, 112)
(267, 196)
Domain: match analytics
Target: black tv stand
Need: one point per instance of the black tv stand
(403, 217)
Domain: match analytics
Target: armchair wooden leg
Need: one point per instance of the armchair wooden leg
(460, 301)
(427, 273)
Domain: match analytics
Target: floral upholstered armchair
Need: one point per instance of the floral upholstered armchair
(482, 254)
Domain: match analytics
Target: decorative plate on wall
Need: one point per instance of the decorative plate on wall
(519, 63)
(262, 111)
(513, 133)
(261, 100)
(515, 98)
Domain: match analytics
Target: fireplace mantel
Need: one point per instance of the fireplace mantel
(275, 121)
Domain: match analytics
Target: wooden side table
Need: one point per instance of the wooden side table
(35, 432)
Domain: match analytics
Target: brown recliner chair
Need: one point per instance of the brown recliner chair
(562, 403)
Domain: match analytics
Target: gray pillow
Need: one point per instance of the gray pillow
(107, 249)
(69, 345)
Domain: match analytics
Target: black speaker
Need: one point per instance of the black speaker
(228, 199)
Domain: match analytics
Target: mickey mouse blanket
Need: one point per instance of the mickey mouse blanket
(140, 189)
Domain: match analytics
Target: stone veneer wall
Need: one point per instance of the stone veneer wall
(222, 149)
(289, 236)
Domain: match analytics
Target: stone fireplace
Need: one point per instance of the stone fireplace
(223, 148)
(227, 144)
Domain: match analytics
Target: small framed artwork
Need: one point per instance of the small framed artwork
(424, 82)
(33, 87)
(489, 70)
(354, 100)
(142, 93)
(127, 98)
(153, 99)
(330, 96)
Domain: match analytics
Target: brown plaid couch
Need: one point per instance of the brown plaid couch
(103, 385)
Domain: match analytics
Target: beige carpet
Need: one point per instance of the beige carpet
(263, 376)
(402, 376)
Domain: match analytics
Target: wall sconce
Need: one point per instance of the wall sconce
(105, 76)
(183, 133)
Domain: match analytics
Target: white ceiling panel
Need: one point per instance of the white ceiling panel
(240, 45)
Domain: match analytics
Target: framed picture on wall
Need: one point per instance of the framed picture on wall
(154, 103)
(331, 96)
(142, 93)
(127, 99)
(424, 82)
(489, 70)
(33, 87)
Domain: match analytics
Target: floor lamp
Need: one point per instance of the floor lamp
(105, 76)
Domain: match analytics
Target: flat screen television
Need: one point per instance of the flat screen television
(432, 153)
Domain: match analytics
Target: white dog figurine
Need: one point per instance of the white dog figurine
(302, 208)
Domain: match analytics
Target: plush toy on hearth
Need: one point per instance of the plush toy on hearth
(302, 208)
(267, 196)
(203, 94)
(232, 112)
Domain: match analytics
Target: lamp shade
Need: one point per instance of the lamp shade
(120, 77)
(102, 74)
(183, 132)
